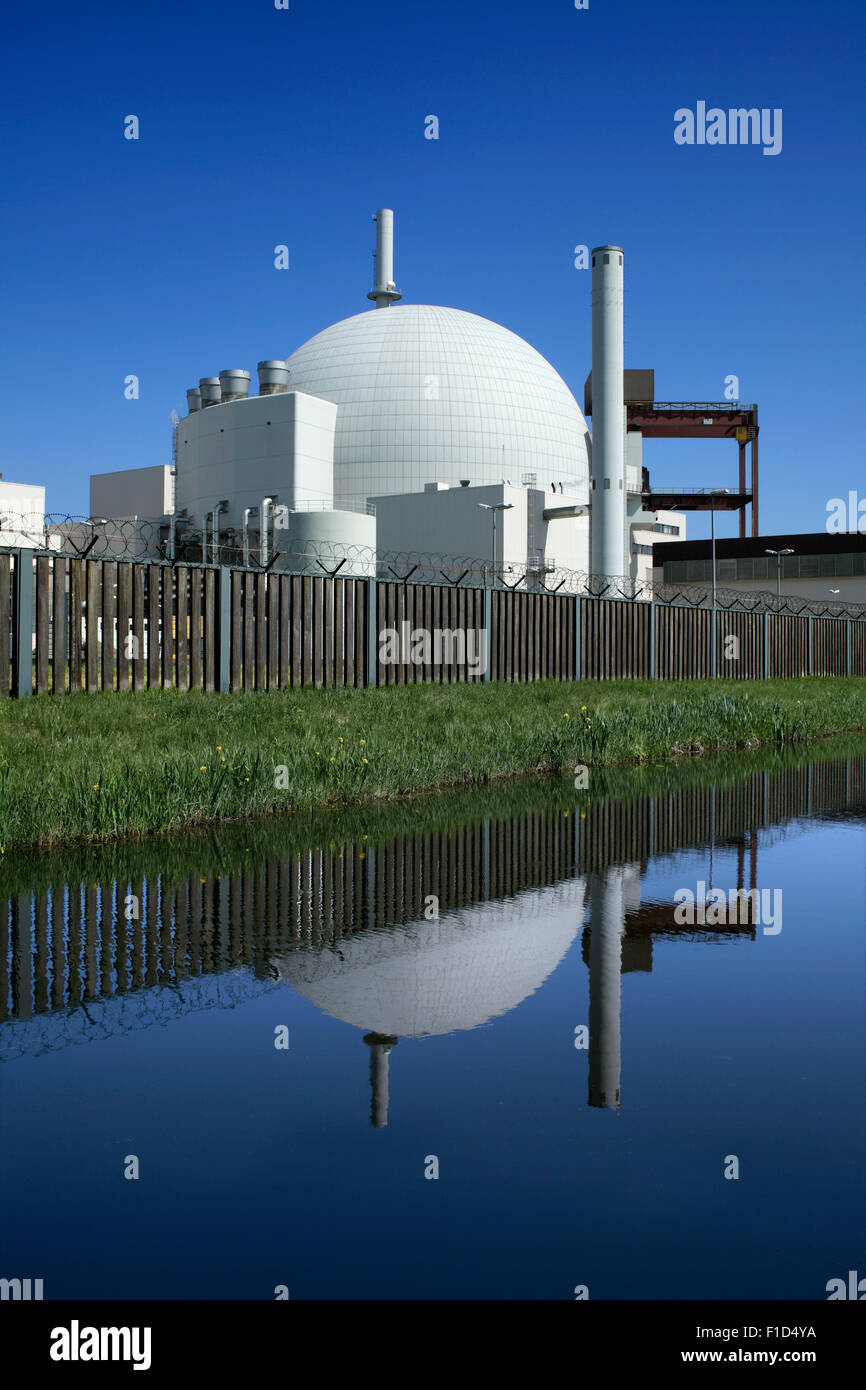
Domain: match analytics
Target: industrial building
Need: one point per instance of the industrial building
(415, 428)
(22, 512)
(820, 565)
(133, 492)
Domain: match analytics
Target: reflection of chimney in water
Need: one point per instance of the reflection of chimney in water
(380, 1045)
(607, 924)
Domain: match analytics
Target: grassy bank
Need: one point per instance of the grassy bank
(94, 767)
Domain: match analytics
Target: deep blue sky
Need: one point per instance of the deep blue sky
(261, 126)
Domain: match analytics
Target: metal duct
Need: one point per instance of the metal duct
(273, 377)
(193, 399)
(209, 390)
(234, 385)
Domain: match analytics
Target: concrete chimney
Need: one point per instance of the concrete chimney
(384, 292)
(608, 494)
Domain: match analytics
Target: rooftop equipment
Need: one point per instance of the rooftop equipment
(384, 291)
(234, 385)
(273, 377)
(209, 390)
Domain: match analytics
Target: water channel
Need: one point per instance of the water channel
(464, 1046)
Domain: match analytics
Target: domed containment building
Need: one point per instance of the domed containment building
(419, 428)
(432, 395)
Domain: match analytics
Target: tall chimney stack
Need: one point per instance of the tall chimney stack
(608, 497)
(384, 292)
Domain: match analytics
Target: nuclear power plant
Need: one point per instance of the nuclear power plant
(416, 428)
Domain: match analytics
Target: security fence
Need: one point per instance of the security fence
(77, 623)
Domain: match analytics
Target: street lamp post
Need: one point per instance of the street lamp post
(495, 507)
(248, 511)
(778, 554)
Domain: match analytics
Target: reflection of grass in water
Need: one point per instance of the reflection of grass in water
(98, 766)
(232, 847)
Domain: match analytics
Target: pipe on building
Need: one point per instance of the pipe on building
(273, 377)
(384, 293)
(209, 391)
(222, 506)
(264, 514)
(562, 513)
(607, 467)
(234, 385)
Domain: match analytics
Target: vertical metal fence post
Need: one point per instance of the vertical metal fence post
(488, 634)
(766, 627)
(577, 637)
(224, 644)
(22, 627)
(372, 631)
(847, 646)
(810, 667)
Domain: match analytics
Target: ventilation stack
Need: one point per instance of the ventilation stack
(273, 377)
(234, 385)
(608, 493)
(384, 292)
(209, 390)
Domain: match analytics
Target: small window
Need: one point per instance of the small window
(606, 258)
(607, 484)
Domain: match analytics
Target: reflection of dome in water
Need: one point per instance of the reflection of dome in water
(438, 977)
(428, 394)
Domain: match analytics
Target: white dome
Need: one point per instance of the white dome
(427, 394)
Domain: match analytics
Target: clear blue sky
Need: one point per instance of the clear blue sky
(261, 126)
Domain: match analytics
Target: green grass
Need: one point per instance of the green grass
(94, 767)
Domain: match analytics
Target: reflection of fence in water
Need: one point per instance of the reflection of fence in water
(70, 951)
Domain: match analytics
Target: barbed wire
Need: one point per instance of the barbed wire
(158, 541)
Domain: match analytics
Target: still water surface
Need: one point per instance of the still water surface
(582, 1064)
